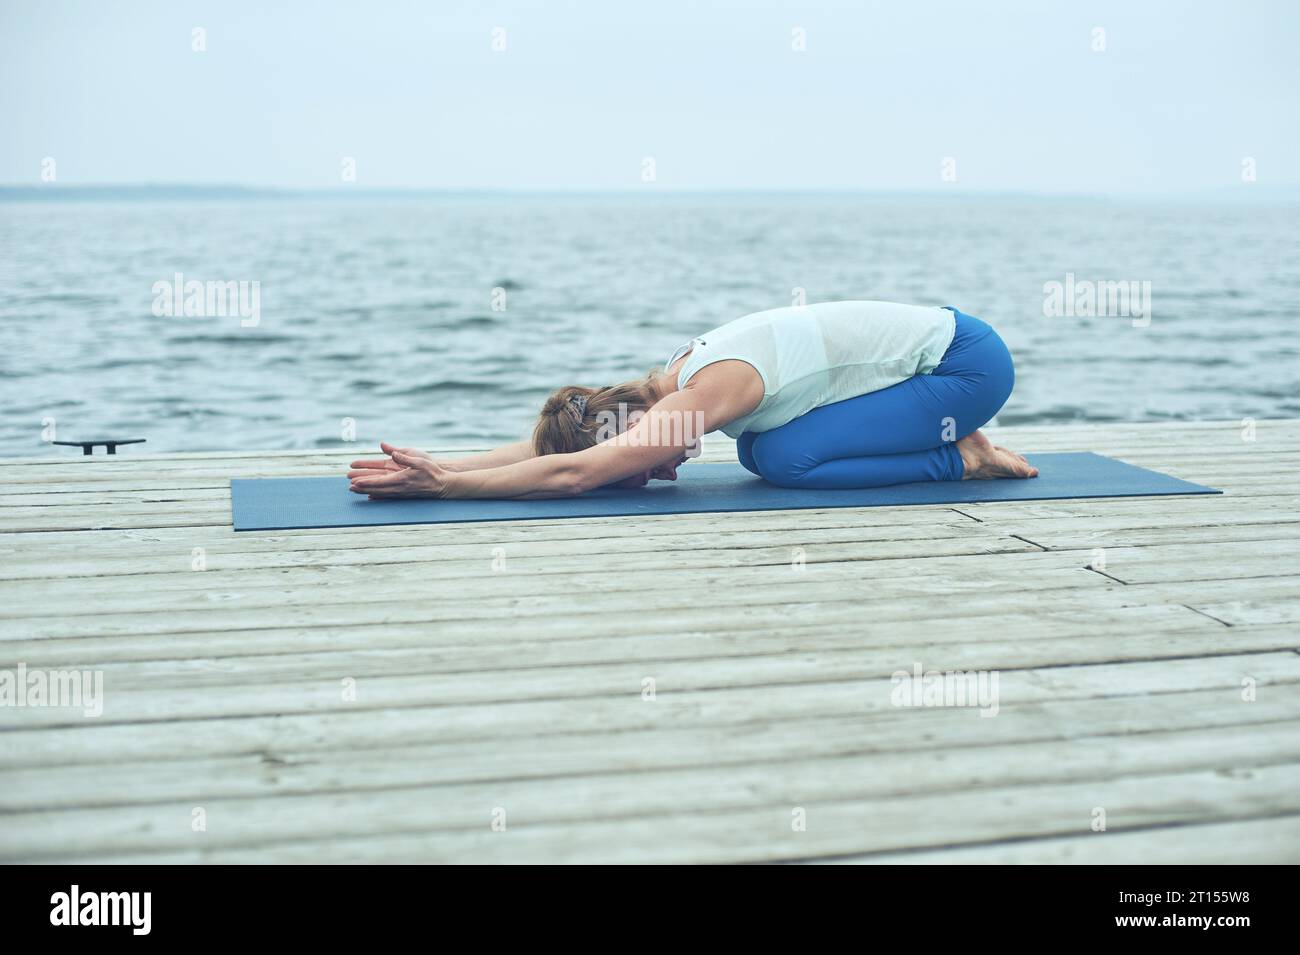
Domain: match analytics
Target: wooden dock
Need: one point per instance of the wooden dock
(702, 688)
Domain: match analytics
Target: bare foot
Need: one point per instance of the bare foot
(984, 460)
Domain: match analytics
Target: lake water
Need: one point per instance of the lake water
(383, 311)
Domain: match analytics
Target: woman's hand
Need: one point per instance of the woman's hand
(406, 472)
(386, 464)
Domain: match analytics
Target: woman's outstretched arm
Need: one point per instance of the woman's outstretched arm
(550, 475)
(498, 457)
(665, 434)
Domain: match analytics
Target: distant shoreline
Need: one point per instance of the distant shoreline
(181, 192)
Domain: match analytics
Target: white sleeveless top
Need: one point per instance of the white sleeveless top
(814, 355)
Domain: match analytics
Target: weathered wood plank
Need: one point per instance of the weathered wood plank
(1063, 589)
(133, 556)
(711, 630)
(1273, 840)
(363, 834)
(1202, 636)
(622, 685)
(642, 551)
(867, 777)
(489, 729)
(480, 570)
(912, 764)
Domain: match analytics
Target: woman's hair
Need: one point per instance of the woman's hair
(574, 418)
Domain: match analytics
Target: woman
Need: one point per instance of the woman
(836, 395)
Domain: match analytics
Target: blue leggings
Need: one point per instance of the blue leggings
(906, 432)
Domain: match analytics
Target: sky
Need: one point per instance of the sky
(1029, 96)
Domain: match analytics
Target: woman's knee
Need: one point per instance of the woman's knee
(745, 451)
(993, 390)
(776, 462)
(1004, 378)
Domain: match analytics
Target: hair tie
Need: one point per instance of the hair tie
(579, 405)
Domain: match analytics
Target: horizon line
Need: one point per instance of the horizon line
(57, 191)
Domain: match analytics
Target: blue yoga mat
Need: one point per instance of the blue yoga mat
(273, 504)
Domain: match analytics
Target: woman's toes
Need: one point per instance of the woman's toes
(1015, 453)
